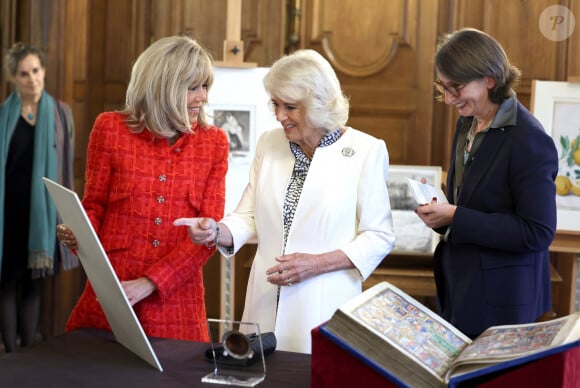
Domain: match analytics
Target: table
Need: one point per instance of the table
(92, 358)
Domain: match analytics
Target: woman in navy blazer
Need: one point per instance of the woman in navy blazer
(492, 264)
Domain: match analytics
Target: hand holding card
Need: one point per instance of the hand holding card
(424, 193)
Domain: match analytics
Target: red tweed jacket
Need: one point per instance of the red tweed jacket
(136, 185)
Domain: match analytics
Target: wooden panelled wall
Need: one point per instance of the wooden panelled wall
(381, 49)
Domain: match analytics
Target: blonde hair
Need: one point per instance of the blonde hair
(157, 93)
(306, 78)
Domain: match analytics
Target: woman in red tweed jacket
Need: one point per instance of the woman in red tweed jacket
(146, 166)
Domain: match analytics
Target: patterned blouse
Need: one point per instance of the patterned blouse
(298, 177)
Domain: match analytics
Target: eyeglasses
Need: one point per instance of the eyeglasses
(452, 88)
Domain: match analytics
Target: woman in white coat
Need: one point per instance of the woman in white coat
(316, 202)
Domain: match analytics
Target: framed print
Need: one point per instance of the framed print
(238, 122)
(556, 104)
(412, 236)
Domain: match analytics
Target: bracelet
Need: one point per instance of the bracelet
(216, 238)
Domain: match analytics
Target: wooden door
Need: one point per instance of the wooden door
(383, 53)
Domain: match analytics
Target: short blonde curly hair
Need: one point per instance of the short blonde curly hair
(306, 78)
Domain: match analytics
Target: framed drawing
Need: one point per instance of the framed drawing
(238, 122)
(411, 234)
(556, 104)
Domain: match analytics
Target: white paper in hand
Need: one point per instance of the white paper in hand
(424, 192)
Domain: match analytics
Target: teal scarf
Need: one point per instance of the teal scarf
(42, 229)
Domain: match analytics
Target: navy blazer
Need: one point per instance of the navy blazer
(494, 266)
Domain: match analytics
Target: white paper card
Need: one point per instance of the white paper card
(424, 192)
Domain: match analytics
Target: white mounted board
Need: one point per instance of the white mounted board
(119, 312)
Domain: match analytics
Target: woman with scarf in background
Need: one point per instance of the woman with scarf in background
(36, 140)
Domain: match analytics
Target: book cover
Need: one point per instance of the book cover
(412, 345)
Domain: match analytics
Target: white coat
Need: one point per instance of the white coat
(344, 205)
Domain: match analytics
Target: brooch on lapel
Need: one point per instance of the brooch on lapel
(347, 151)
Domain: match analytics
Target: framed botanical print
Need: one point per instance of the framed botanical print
(556, 104)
